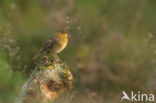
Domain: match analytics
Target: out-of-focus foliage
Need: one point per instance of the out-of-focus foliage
(111, 47)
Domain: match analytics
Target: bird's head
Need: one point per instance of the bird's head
(62, 33)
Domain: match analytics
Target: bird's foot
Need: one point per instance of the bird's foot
(60, 61)
(57, 61)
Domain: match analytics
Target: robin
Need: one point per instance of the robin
(55, 44)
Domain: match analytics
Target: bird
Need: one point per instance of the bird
(54, 44)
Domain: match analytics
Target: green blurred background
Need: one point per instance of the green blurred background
(112, 45)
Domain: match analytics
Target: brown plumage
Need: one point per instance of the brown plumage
(55, 44)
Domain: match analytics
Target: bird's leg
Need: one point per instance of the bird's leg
(59, 60)
(56, 57)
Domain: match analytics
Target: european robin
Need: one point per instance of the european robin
(55, 44)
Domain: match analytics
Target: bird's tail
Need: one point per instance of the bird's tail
(36, 56)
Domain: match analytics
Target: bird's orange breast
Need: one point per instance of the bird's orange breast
(62, 43)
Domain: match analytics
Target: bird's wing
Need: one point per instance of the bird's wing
(47, 45)
(44, 48)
